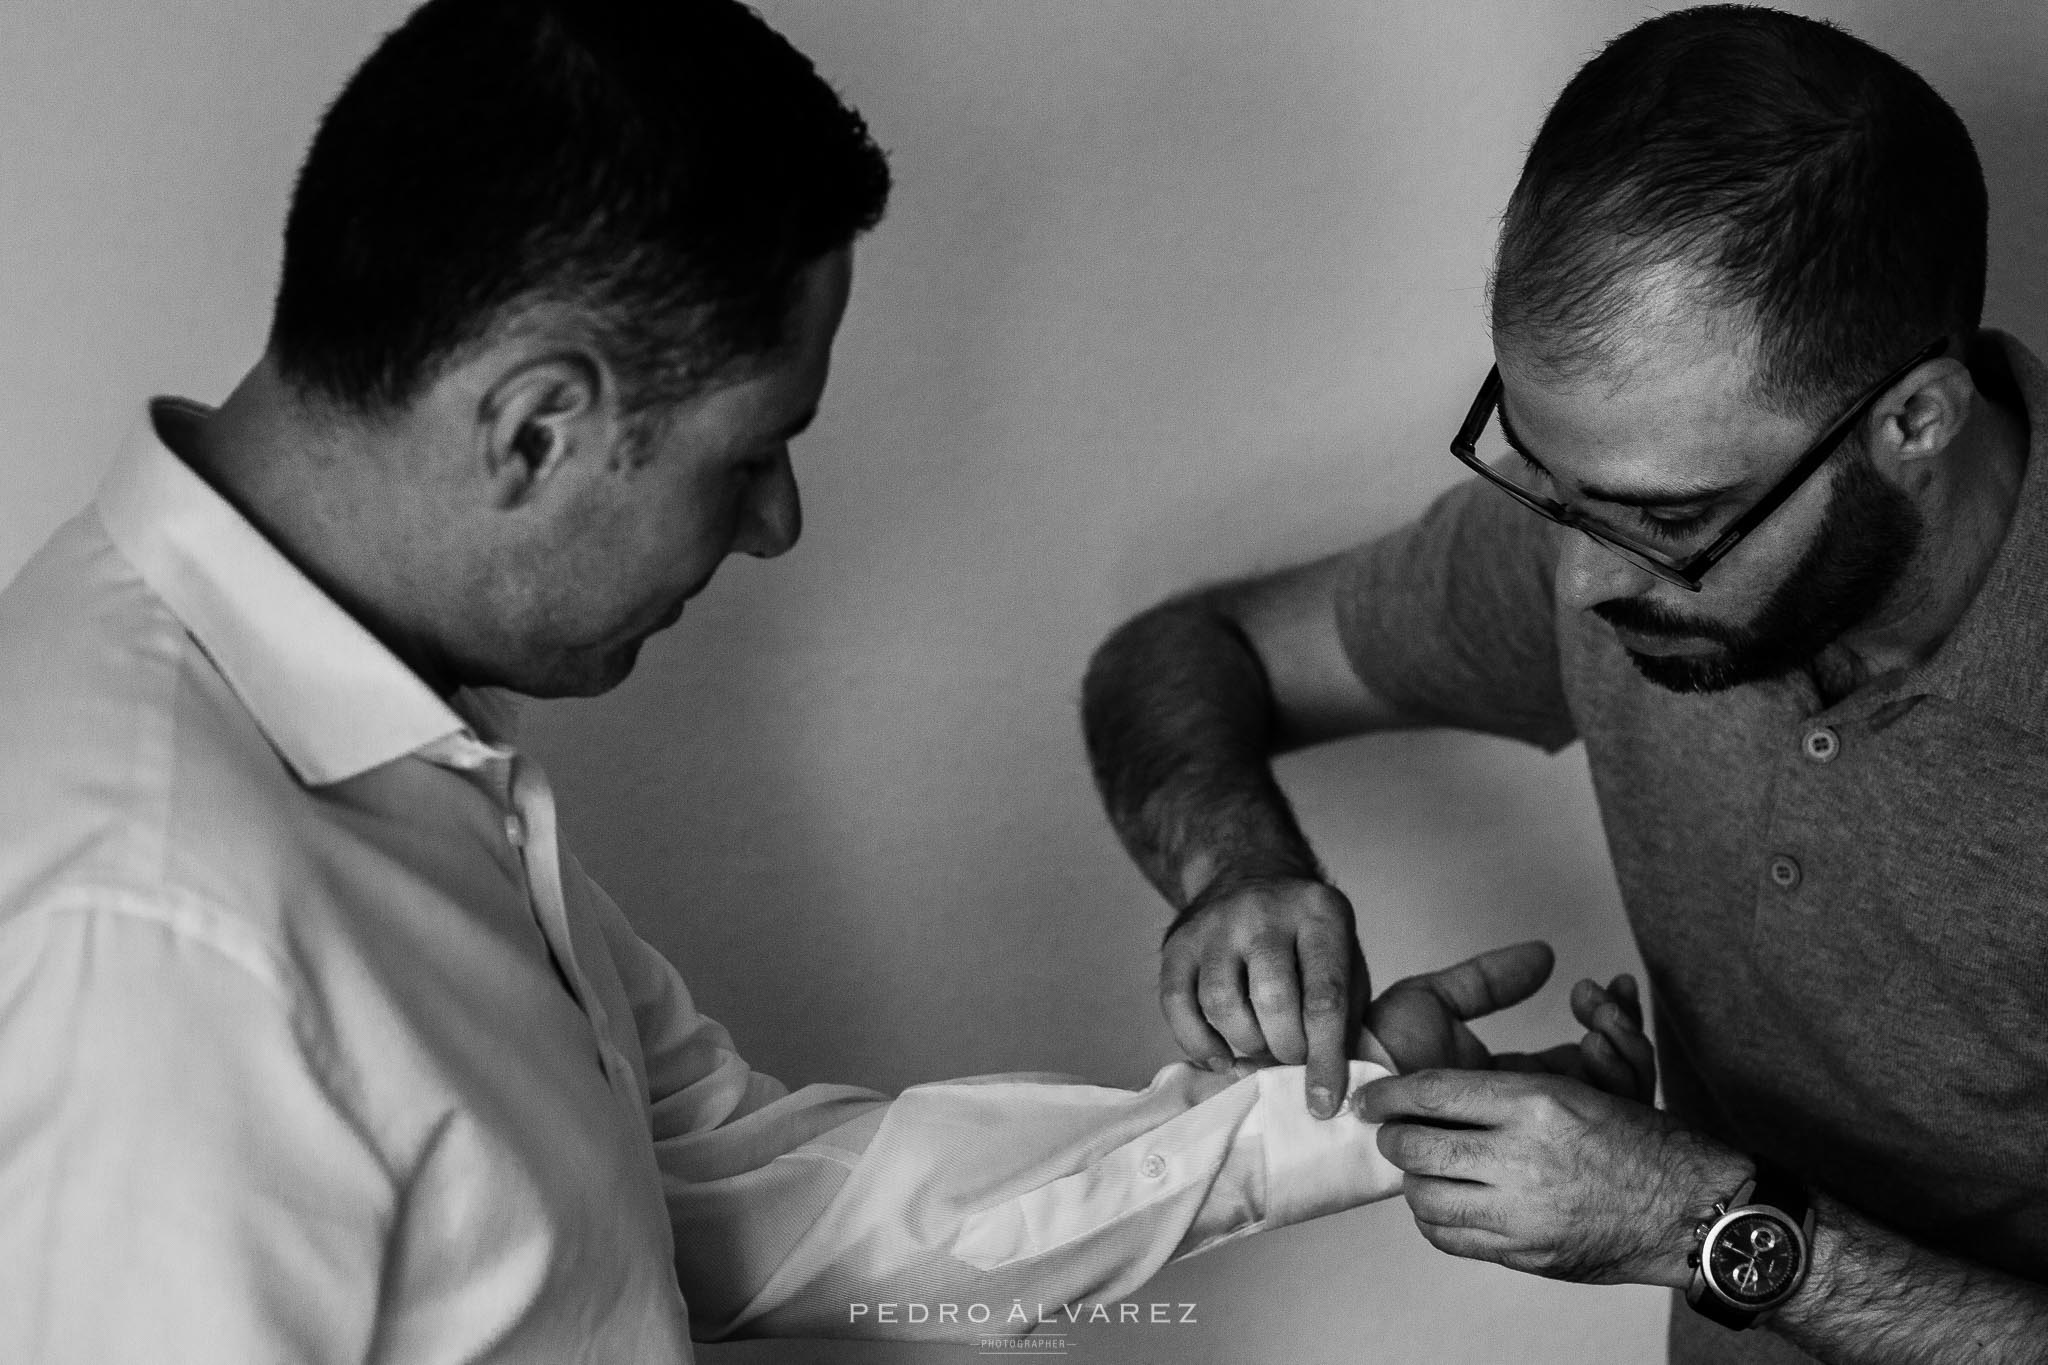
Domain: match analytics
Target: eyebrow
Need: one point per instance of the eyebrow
(1677, 497)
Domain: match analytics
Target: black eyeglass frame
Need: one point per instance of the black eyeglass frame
(1685, 573)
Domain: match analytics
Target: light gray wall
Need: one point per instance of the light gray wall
(1170, 290)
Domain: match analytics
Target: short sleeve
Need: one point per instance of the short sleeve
(1453, 618)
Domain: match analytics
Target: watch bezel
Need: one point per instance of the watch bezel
(1801, 1244)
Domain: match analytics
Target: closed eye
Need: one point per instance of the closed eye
(1659, 524)
(1669, 526)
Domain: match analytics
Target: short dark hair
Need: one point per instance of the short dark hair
(665, 168)
(1811, 183)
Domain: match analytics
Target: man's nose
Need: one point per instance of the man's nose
(773, 517)
(1588, 573)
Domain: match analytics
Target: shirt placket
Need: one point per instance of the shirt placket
(521, 792)
(1800, 837)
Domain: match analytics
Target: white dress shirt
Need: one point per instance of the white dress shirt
(317, 1046)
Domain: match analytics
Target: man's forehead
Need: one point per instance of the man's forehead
(1669, 409)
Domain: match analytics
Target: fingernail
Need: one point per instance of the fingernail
(1321, 1102)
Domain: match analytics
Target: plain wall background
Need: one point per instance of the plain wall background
(1169, 291)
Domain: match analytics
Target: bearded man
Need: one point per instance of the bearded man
(1754, 512)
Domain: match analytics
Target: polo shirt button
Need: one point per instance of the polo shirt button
(1784, 872)
(1152, 1167)
(1822, 745)
(515, 831)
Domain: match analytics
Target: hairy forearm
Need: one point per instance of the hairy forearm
(1874, 1296)
(1178, 717)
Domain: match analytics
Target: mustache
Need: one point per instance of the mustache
(1651, 618)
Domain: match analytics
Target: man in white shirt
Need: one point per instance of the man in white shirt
(315, 1043)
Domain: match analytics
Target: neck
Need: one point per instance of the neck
(319, 487)
(1968, 506)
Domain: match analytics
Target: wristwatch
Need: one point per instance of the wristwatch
(1754, 1253)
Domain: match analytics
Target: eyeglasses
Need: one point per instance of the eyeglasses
(1687, 571)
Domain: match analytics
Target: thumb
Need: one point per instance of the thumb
(1491, 981)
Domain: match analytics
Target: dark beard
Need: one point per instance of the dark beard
(1867, 538)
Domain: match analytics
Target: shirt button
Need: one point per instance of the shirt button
(1784, 872)
(515, 830)
(1152, 1167)
(1822, 745)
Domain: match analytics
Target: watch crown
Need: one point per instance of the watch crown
(1699, 1230)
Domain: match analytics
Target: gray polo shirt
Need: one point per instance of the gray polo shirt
(1843, 909)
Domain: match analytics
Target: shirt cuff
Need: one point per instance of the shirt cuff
(1317, 1166)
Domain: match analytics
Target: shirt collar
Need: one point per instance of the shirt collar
(1996, 659)
(329, 696)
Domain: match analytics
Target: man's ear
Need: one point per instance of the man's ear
(1920, 417)
(536, 417)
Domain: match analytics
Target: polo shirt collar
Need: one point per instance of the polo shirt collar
(331, 698)
(1996, 659)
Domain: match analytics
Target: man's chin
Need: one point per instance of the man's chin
(581, 675)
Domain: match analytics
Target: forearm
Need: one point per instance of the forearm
(1180, 725)
(1873, 1295)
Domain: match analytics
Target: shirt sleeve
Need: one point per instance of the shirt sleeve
(179, 1182)
(837, 1211)
(1453, 618)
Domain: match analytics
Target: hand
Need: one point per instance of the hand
(1271, 970)
(1548, 1175)
(1421, 1020)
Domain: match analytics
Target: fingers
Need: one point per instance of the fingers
(1623, 989)
(1444, 1154)
(1478, 1098)
(1332, 1002)
(1269, 972)
(1272, 984)
(1225, 998)
(1177, 997)
(1443, 1203)
(1457, 1217)
(1615, 1054)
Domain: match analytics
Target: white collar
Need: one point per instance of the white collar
(332, 698)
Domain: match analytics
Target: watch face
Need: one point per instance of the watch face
(1754, 1259)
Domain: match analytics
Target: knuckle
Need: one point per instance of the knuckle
(1272, 992)
(1324, 998)
(1219, 994)
(1432, 1089)
(1270, 957)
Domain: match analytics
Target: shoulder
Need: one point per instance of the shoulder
(134, 771)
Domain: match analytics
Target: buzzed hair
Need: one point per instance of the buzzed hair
(1811, 186)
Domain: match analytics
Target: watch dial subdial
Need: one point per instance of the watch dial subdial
(1754, 1258)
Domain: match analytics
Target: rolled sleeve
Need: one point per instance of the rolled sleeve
(1453, 618)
